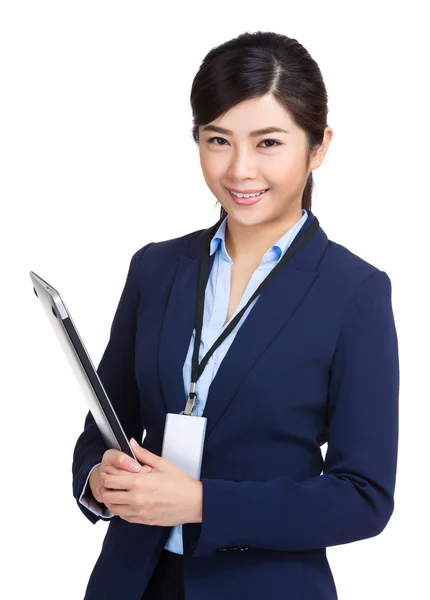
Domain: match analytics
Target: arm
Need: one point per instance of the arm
(354, 497)
(116, 372)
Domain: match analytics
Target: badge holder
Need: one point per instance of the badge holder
(184, 437)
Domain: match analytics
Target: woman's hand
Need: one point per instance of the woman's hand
(166, 495)
(113, 463)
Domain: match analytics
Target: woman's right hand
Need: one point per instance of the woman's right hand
(114, 461)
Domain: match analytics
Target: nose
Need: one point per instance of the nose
(243, 165)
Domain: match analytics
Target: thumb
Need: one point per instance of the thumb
(145, 456)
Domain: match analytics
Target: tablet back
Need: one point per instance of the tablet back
(81, 364)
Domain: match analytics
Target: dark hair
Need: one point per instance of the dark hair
(253, 65)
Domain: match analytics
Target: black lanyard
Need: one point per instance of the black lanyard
(197, 369)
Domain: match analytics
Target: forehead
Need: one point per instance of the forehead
(256, 115)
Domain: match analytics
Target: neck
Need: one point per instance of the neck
(250, 243)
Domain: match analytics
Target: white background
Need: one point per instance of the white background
(97, 160)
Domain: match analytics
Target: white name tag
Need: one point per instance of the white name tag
(183, 442)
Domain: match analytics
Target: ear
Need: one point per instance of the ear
(318, 155)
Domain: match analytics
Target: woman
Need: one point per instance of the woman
(309, 356)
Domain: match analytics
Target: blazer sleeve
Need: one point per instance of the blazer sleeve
(353, 498)
(116, 372)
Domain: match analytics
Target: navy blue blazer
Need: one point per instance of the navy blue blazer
(315, 361)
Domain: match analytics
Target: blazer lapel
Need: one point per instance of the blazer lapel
(273, 309)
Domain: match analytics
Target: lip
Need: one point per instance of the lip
(247, 201)
(245, 191)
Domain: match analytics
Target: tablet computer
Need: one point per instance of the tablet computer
(83, 368)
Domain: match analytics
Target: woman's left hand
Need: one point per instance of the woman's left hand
(165, 496)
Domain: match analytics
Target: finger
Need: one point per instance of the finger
(146, 469)
(112, 470)
(116, 497)
(120, 460)
(122, 481)
(97, 493)
(125, 511)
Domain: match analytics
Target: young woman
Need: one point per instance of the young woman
(281, 338)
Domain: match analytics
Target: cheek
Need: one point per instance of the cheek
(211, 168)
(288, 171)
(212, 175)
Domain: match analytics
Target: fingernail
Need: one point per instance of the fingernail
(134, 465)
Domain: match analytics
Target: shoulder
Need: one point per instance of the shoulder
(353, 277)
(161, 257)
(166, 249)
(345, 261)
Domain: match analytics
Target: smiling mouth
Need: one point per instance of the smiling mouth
(247, 201)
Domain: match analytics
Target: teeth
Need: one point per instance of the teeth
(247, 195)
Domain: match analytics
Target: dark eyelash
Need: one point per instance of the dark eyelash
(266, 140)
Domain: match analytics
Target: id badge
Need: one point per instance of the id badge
(183, 442)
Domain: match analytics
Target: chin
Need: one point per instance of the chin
(247, 219)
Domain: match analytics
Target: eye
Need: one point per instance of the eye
(210, 141)
(274, 141)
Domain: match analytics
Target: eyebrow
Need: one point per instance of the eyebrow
(255, 133)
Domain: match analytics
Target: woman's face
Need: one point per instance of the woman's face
(243, 161)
